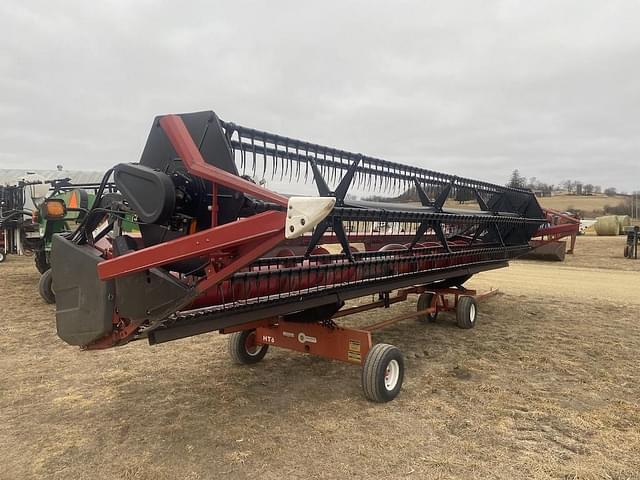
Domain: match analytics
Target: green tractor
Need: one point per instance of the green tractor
(61, 213)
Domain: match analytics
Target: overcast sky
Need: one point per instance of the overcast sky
(471, 88)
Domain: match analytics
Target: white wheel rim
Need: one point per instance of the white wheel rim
(254, 350)
(472, 313)
(391, 375)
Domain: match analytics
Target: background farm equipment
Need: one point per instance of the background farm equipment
(547, 241)
(28, 225)
(219, 252)
(60, 213)
(633, 239)
(18, 232)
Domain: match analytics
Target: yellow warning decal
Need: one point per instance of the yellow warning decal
(353, 355)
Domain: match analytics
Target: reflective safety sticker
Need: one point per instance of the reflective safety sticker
(302, 338)
(353, 355)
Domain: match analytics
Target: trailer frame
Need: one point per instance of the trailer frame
(324, 338)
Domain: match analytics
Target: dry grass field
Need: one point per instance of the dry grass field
(546, 386)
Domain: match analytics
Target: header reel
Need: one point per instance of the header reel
(216, 249)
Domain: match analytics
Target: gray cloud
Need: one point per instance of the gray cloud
(471, 88)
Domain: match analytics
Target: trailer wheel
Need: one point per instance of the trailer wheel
(626, 251)
(243, 348)
(2, 256)
(45, 287)
(382, 373)
(424, 302)
(466, 312)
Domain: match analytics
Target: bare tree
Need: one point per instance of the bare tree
(570, 185)
(517, 180)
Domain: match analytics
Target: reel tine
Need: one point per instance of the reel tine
(243, 158)
(290, 160)
(333, 161)
(276, 155)
(253, 148)
(334, 170)
(285, 164)
(264, 166)
(285, 158)
(297, 164)
(274, 162)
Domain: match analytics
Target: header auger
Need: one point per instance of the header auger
(217, 251)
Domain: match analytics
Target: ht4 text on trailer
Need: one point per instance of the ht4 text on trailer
(218, 251)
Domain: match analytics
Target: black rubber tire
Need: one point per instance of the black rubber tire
(626, 251)
(238, 348)
(45, 287)
(42, 265)
(466, 312)
(424, 302)
(374, 373)
(3, 256)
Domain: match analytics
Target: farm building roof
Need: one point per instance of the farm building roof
(11, 176)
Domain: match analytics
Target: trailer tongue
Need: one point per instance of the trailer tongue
(218, 251)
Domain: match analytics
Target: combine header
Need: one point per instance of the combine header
(547, 242)
(217, 251)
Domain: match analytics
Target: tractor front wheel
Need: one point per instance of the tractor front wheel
(42, 264)
(45, 287)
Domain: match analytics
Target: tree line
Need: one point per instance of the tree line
(517, 180)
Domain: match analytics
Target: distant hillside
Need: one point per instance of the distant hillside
(589, 206)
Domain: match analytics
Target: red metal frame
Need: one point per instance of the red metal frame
(241, 241)
(560, 225)
(337, 343)
(246, 254)
(345, 344)
(122, 329)
(259, 228)
(188, 152)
